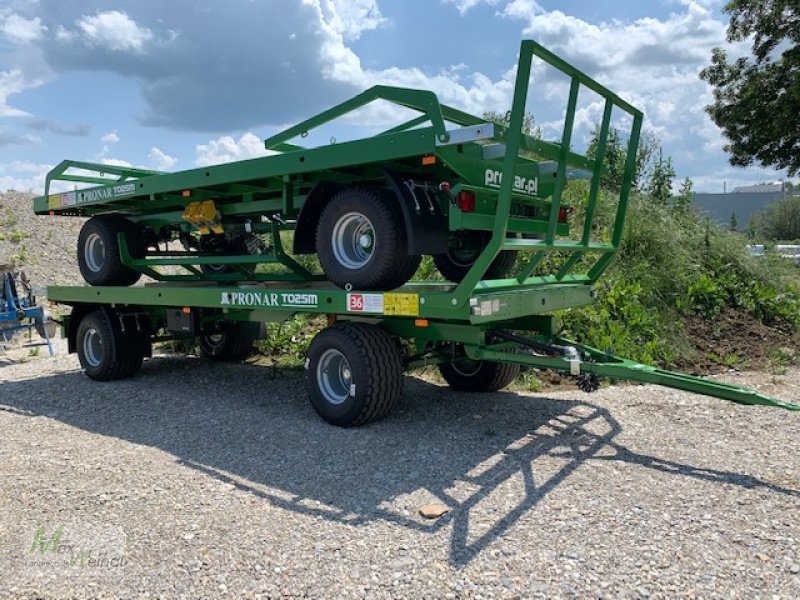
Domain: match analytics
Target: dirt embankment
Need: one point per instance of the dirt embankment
(42, 246)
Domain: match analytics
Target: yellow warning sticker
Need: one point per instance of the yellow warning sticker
(401, 304)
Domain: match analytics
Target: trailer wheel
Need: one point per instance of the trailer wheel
(98, 250)
(355, 374)
(361, 241)
(245, 245)
(233, 342)
(478, 375)
(103, 352)
(464, 251)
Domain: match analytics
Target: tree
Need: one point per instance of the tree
(616, 155)
(733, 224)
(683, 200)
(781, 220)
(660, 185)
(757, 99)
(752, 227)
(528, 122)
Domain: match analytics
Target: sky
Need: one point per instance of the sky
(180, 84)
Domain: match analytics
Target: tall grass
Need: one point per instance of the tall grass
(673, 264)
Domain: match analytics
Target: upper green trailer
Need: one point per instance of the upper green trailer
(471, 193)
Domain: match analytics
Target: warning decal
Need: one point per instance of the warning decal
(366, 303)
(401, 304)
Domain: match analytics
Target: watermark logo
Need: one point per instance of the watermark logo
(72, 549)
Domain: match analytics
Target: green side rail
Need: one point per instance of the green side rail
(516, 141)
(59, 173)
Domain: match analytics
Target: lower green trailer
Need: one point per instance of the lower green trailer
(355, 365)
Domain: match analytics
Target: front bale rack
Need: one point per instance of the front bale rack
(473, 196)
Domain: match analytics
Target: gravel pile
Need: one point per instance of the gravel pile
(42, 246)
(220, 481)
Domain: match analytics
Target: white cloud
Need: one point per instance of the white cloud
(464, 6)
(20, 30)
(114, 30)
(24, 176)
(112, 137)
(160, 160)
(12, 82)
(116, 162)
(350, 18)
(226, 149)
(521, 9)
(109, 139)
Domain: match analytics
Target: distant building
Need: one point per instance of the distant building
(761, 188)
(742, 201)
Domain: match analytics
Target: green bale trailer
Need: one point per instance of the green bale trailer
(472, 194)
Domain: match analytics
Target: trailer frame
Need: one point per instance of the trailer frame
(480, 330)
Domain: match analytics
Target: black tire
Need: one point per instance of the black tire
(370, 379)
(104, 352)
(365, 212)
(456, 262)
(98, 250)
(233, 342)
(478, 375)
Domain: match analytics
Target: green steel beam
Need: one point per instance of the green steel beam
(604, 365)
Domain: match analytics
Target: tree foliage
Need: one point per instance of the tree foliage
(733, 222)
(683, 200)
(528, 123)
(659, 187)
(781, 220)
(616, 155)
(757, 99)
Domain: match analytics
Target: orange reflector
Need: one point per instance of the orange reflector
(420, 322)
(186, 193)
(186, 310)
(331, 320)
(428, 160)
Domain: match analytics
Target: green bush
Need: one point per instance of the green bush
(673, 264)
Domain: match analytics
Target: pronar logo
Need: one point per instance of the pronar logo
(107, 192)
(269, 299)
(524, 185)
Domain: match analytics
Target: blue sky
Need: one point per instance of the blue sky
(173, 85)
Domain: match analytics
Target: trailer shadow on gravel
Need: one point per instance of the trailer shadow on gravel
(252, 427)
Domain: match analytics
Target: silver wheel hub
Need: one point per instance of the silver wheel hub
(466, 368)
(93, 348)
(353, 240)
(334, 376)
(94, 252)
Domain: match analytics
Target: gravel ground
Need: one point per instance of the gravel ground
(216, 480)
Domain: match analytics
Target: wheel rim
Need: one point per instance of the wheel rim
(334, 376)
(465, 252)
(214, 342)
(92, 347)
(94, 252)
(353, 240)
(466, 368)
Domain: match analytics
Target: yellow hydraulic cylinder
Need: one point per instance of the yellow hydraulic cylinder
(205, 216)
